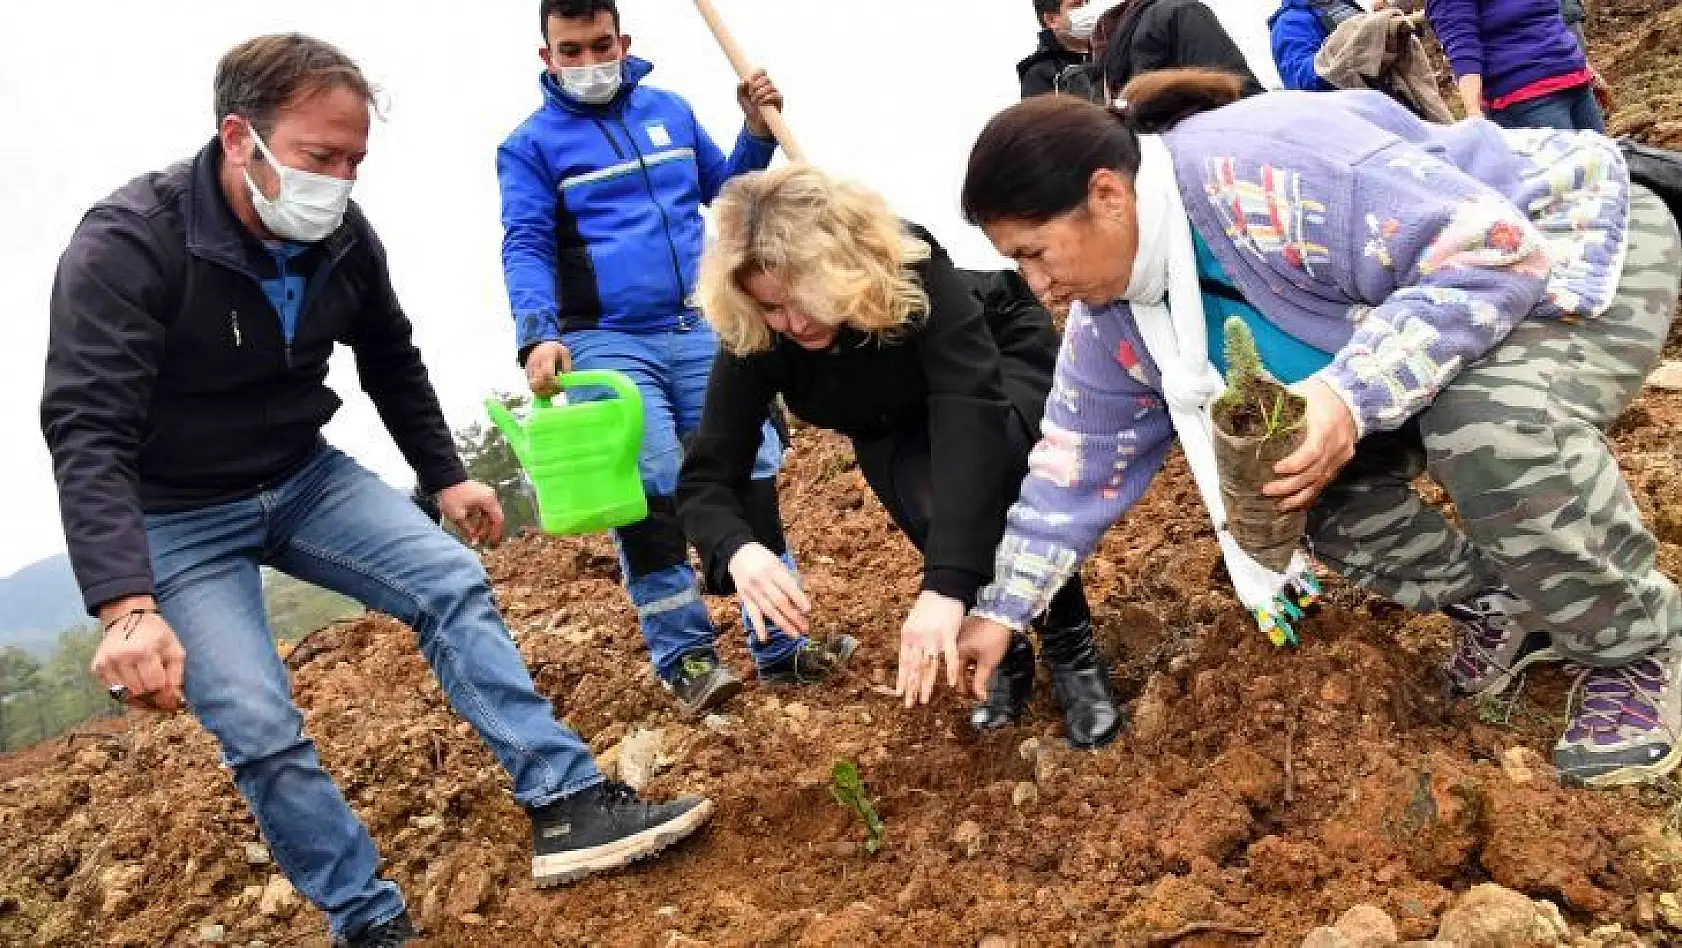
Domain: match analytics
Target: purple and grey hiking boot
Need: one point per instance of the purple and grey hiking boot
(1494, 647)
(1626, 723)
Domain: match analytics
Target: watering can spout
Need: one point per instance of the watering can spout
(518, 437)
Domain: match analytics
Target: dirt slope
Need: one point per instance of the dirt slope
(1261, 787)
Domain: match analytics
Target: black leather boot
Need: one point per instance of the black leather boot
(1008, 692)
(1081, 682)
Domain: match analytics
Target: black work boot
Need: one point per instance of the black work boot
(604, 827)
(1081, 682)
(394, 933)
(702, 683)
(1009, 689)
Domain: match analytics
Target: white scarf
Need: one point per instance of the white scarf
(1167, 304)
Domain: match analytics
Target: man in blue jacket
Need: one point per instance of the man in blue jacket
(1299, 29)
(602, 232)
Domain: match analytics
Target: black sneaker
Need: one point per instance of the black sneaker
(605, 827)
(397, 932)
(1494, 646)
(702, 683)
(812, 662)
(1008, 690)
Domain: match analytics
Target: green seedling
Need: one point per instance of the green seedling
(847, 787)
(1256, 405)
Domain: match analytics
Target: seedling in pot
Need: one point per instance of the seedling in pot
(847, 787)
(1258, 423)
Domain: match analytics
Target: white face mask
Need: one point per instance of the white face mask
(593, 85)
(1083, 21)
(308, 206)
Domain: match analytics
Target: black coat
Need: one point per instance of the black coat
(1165, 34)
(1038, 73)
(169, 384)
(985, 349)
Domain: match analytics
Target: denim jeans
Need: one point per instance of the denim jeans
(670, 369)
(1567, 109)
(338, 526)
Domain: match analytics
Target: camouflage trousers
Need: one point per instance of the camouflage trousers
(1518, 441)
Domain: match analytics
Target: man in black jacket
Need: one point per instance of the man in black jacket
(1167, 34)
(192, 319)
(1058, 49)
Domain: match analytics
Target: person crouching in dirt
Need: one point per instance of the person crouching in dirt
(192, 321)
(1389, 273)
(863, 325)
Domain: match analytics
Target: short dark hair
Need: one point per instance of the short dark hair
(260, 76)
(576, 9)
(1045, 8)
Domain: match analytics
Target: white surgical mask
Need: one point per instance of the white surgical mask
(307, 207)
(1084, 20)
(593, 85)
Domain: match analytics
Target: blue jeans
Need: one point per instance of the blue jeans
(338, 526)
(670, 369)
(1567, 109)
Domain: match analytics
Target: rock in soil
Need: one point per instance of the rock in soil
(1489, 916)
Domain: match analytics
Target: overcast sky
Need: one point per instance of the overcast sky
(94, 92)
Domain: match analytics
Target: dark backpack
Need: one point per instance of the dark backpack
(1656, 169)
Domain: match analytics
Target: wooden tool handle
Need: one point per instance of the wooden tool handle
(739, 61)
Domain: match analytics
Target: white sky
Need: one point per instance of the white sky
(92, 93)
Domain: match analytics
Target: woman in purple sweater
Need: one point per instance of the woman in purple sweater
(1390, 274)
(1517, 62)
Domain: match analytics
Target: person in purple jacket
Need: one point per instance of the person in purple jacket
(1517, 61)
(1431, 323)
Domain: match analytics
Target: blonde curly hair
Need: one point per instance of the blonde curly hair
(843, 255)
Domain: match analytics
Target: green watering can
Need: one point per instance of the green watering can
(581, 456)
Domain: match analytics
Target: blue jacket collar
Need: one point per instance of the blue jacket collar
(636, 70)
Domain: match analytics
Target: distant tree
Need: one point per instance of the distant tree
(491, 460)
(21, 699)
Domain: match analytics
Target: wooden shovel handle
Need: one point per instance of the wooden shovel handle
(739, 61)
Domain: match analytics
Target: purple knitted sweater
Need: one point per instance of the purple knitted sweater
(1352, 226)
(1511, 43)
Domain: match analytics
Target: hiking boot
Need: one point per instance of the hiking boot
(1081, 682)
(397, 932)
(1008, 690)
(702, 683)
(605, 827)
(812, 662)
(1626, 722)
(1493, 646)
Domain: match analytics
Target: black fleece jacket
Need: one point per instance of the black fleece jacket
(986, 348)
(170, 385)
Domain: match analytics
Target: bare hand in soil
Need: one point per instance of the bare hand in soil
(769, 591)
(1328, 445)
(142, 654)
(981, 645)
(474, 510)
(929, 635)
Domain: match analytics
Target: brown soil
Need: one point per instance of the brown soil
(1257, 786)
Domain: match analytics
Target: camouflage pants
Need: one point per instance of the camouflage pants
(1518, 441)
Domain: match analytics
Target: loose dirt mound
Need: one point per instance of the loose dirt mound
(1259, 786)
(1263, 787)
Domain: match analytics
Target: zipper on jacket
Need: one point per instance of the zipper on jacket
(233, 322)
(665, 224)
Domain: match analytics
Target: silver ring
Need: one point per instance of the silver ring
(117, 692)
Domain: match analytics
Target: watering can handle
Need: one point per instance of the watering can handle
(627, 395)
(511, 428)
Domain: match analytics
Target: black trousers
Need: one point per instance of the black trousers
(897, 467)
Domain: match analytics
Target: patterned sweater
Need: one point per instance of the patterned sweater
(1352, 226)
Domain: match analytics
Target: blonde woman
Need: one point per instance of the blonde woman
(938, 376)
